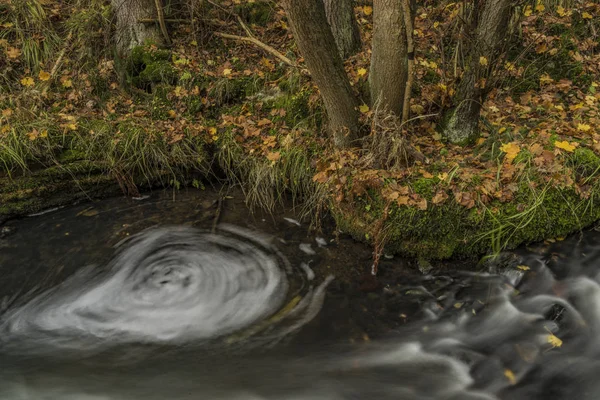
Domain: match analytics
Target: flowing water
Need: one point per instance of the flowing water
(184, 296)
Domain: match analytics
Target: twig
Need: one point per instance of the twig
(217, 215)
(260, 44)
(161, 21)
(170, 20)
(58, 61)
(250, 38)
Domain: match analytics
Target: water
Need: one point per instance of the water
(184, 299)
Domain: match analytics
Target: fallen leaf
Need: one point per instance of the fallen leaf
(560, 10)
(13, 52)
(586, 15)
(523, 267)
(364, 109)
(44, 76)
(539, 7)
(554, 341)
(27, 81)
(511, 149)
(510, 376)
(227, 71)
(583, 127)
(361, 72)
(439, 197)
(367, 10)
(565, 146)
(274, 156)
(483, 61)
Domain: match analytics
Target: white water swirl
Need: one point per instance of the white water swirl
(166, 284)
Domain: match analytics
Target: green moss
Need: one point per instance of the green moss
(148, 65)
(295, 106)
(424, 187)
(584, 161)
(450, 230)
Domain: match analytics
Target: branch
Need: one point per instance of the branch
(161, 21)
(260, 44)
(170, 20)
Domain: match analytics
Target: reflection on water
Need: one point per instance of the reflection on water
(185, 312)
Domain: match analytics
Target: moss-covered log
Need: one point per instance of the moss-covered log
(53, 187)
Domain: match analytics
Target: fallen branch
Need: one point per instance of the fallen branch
(260, 44)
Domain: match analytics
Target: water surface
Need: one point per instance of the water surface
(189, 295)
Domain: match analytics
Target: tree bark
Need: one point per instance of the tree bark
(317, 45)
(462, 126)
(341, 19)
(130, 30)
(389, 64)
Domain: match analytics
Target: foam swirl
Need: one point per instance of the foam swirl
(165, 284)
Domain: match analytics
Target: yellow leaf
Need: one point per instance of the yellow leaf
(586, 15)
(44, 76)
(227, 71)
(565, 146)
(554, 341)
(483, 61)
(72, 127)
(527, 11)
(13, 52)
(7, 112)
(511, 149)
(361, 72)
(560, 10)
(545, 78)
(364, 109)
(44, 133)
(27, 81)
(583, 127)
(368, 10)
(212, 131)
(172, 113)
(523, 267)
(501, 130)
(510, 376)
(67, 83)
(539, 7)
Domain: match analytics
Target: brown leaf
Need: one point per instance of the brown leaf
(439, 197)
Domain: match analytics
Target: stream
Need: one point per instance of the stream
(191, 295)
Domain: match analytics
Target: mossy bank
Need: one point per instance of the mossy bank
(450, 230)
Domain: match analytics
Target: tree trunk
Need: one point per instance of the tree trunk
(130, 32)
(389, 63)
(462, 126)
(341, 19)
(317, 45)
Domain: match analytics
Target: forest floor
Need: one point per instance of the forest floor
(213, 106)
